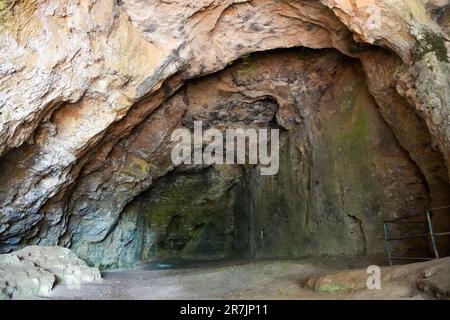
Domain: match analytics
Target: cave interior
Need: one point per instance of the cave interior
(342, 171)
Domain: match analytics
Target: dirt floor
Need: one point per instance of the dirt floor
(232, 279)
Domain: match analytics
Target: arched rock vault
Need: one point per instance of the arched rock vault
(81, 79)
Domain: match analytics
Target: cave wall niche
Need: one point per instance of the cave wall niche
(342, 171)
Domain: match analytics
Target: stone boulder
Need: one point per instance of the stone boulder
(34, 270)
(429, 279)
(23, 278)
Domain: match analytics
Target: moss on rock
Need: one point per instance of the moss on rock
(432, 42)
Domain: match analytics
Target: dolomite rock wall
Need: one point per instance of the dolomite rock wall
(82, 82)
(334, 144)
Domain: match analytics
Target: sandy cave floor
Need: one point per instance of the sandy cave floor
(230, 279)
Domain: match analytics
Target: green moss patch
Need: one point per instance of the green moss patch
(435, 43)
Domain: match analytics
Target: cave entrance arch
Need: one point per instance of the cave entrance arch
(342, 169)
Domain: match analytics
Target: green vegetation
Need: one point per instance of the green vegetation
(432, 42)
(246, 58)
(332, 288)
(247, 64)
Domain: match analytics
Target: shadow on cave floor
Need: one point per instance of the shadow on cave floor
(189, 264)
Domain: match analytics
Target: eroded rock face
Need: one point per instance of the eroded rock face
(23, 278)
(89, 95)
(34, 270)
(334, 143)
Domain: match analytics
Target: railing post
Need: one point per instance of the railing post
(386, 239)
(433, 240)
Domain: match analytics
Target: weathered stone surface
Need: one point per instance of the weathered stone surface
(391, 24)
(34, 270)
(83, 85)
(23, 278)
(61, 262)
(187, 214)
(335, 143)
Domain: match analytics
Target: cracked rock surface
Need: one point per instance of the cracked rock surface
(35, 270)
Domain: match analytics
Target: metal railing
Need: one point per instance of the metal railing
(431, 234)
